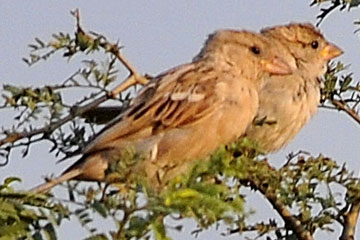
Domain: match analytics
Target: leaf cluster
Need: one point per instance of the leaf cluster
(27, 216)
(306, 188)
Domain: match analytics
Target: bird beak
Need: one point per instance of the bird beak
(276, 66)
(330, 51)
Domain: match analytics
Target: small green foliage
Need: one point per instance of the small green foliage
(120, 169)
(331, 81)
(339, 87)
(61, 40)
(138, 227)
(99, 208)
(46, 105)
(32, 99)
(159, 229)
(341, 92)
(27, 215)
(210, 193)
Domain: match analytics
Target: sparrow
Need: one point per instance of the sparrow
(183, 114)
(287, 103)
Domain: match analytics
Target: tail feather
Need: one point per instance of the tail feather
(46, 187)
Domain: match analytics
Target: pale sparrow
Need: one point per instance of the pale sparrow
(184, 113)
(286, 103)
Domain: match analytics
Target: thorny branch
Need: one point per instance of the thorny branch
(337, 93)
(331, 6)
(290, 221)
(350, 222)
(350, 218)
(344, 96)
(133, 79)
(340, 105)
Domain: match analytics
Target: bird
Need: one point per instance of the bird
(184, 113)
(287, 103)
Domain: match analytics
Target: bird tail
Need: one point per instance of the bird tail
(46, 187)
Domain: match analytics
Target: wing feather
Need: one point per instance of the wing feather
(173, 100)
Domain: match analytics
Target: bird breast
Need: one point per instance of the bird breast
(285, 106)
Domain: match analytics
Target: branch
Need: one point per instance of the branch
(290, 221)
(13, 137)
(288, 218)
(326, 11)
(351, 112)
(133, 79)
(350, 221)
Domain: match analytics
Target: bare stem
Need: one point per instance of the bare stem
(343, 107)
(350, 222)
(133, 79)
(290, 221)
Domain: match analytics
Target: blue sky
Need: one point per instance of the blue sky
(158, 35)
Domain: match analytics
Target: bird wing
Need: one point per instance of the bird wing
(175, 99)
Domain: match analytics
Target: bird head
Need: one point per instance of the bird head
(310, 50)
(247, 53)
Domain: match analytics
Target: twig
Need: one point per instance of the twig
(251, 228)
(133, 79)
(288, 218)
(292, 222)
(13, 137)
(326, 11)
(350, 221)
(127, 214)
(351, 112)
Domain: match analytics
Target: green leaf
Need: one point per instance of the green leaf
(159, 230)
(50, 232)
(137, 226)
(83, 40)
(10, 180)
(8, 211)
(100, 208)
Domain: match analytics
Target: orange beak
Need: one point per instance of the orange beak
(330, 51)
(276, 66)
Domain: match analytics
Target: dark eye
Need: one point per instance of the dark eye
(255, 50)
(314, 44)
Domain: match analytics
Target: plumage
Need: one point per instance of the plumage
(184, 113)
(286, 103)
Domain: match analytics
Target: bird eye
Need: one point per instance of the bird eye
(314, 44)
(255, 50)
